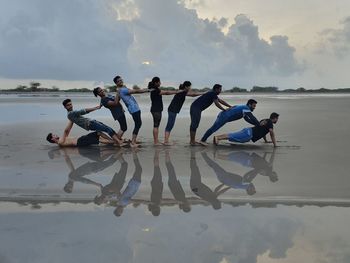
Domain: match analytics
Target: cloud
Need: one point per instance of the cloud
(337, 40)
(94, 40)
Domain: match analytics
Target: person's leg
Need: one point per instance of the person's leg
(219, 122)
(137, 120)
(169, 126)
(241, 136)
(157, 116)
(123, 126)
(104, 139)
(100, 127)
(195, 119)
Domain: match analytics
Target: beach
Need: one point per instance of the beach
(191, 203)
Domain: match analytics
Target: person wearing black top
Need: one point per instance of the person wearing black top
(175, 107)
(157, 105)
(202, 103)
(113, 104)
(252, 133)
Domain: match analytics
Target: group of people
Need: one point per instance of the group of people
(228, 113)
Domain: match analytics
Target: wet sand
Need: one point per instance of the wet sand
(188, 188)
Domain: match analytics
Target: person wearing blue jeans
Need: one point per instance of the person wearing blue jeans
(75, 117)
(235, 113)
(175, 107)
(133, 108)
(253, 133)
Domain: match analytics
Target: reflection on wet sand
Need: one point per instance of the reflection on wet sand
(200, 176)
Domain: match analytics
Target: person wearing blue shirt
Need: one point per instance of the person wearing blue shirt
(130, 102)
(235, 113)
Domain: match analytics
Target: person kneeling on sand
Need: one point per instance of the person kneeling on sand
(92, 138)
(253, 133)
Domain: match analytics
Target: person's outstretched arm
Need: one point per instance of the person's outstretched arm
(224, 103)
(88, 110)
(250, 118)
(66, 132)
(217, 104)
(273, 138)
(194, 94)
(138, 91)
(170, 92)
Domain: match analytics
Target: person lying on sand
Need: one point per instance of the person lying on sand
(93, 138)
(253, 133)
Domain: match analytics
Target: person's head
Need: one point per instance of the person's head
(217, 88)
(251, 104)
(274, 117)
(52, 138)
(118, 211)
(154, 209)
(273, 177)
(154, 83)
(216, 204)
(98, 91)
(68, 188)
(251, 189)
(67, 104)
(118, 81)
(185, 86)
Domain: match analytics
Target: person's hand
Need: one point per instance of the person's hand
(98, 106)
(262, 123)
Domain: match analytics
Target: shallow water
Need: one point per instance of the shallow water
(232, 203)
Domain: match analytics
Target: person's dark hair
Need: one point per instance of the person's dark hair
(151, 84)
(49, 138)
(274, 115)
(217, 86)
(116, 79)
(95, 91)
(65, 102)
(185, 85)
(251, 101)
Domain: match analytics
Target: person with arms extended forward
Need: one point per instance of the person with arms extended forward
(235, 113)
(75, 117)
(175, 107)
(113, 104)
(201, 104)
(133, 108)
(157, 105)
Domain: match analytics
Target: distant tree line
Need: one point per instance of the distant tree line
(36, 87)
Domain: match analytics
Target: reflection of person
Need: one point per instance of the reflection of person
(175, 107)
(130, 102)
(77, 174)
(131, 189)
(175, 185)
(234, 113)
(252, 134)
(199, 188)
(229, 179)
(202, 103)
(157, 105)
(113, 104)
(76, 117)
(117, 183)
(92, 138)
(253, 160)
(157, 186)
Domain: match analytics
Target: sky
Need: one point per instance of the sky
(84, 43)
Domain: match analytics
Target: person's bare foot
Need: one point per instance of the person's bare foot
(203, 143)
(168, 143)
(195, 143)
(158, 144)
(215, 140)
